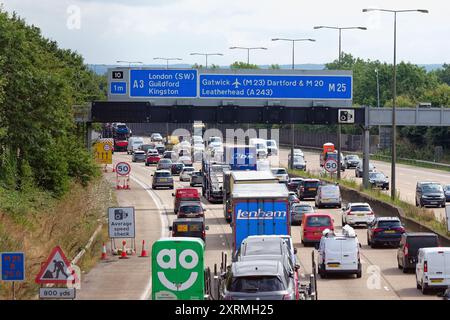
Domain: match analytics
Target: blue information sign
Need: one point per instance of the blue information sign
(275, 86)
(13, 266)
(118, 87)
(163, 83)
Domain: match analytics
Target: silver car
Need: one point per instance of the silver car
(162, 179)
(164, 164)
(328, 195)
(185, 174)
(196, 179)
(298, 210)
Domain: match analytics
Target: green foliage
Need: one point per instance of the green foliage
(39, 83)
(443, 74)
(274, 67)
(243, 65)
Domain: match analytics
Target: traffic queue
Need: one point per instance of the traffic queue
(260, 204)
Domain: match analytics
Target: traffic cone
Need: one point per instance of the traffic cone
(144, 253)
(127, 186)
(123, 255)
(104, 257)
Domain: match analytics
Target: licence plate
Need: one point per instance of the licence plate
(312, 189)
(360, 215)
(433, 202)
(333, 265)
(163, 180)
(436, 280)
(389, 231)
(182, 228)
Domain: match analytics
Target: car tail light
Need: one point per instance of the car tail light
(229, 210)
(400, 229)
(349, 213)
(377, 230)
(405, 250)
(370, 213)
(425, 266)
(287, 297)
(204, 234)
(302, 189)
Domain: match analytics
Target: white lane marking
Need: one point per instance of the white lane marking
(148, 290)
(386, 288)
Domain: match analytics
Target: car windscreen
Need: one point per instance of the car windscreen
(330, 191)
(431, 188)
(352, 158)
(360, 208)
(417, 242)
(255, 284)
(317, 221)
(189, 169)
(303, 209)
(139, 155)
(376, 176)
(268, 248)
(191, 209)
(177, 166)
(162, 174)
(389, 224)
(311, 184)
(447, 187)
(279, 171)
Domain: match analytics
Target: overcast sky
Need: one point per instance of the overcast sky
(139, 30)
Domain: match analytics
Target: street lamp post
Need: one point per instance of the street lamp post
(394, 94)
(291, 162)
(130, 62)
(339, 133)
(248, 51)
(206, 56)
(378, 89)
(167, 60)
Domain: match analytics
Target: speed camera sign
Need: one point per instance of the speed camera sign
(123, 168)
(331, 165)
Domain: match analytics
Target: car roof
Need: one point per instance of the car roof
(191, 203)
(257, 267)
(188, 220)
(388, 219)
(162, 171)
(318, 214)
(435, 249)
(359, 204)
(311, 180)
(420, 234)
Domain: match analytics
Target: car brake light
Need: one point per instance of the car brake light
(405, 250)
(400, 229)
(425, 266)
(287, 297)
(203, 234)
(377, 230)
(370, 213)
(350, 213)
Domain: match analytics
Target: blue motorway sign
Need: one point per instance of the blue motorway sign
(13, 266)
(275, 86)
(163, 83)
(118, 87)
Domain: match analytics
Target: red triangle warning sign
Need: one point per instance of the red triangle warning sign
(57, 269)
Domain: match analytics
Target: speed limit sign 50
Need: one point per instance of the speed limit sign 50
(331, 165)
(123, 168)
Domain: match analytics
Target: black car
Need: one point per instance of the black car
(430, 194)
(385, 231)
(308, 188)
(189, 227)
(410, 243)
(378, 180)
(168, 154)
(294, 183)
(447, 192)
(351, 161)
(176, 168)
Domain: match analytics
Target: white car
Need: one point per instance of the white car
(357, 214)
(339, 253)
(272, 148)
(433, 268)
(281, 174)
(185, 174)
(186, 160)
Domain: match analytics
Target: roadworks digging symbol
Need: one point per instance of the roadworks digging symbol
(178, 269)
(56, 269)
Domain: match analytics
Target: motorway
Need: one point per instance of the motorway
(130, 279)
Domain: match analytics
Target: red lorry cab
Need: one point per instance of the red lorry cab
(184, 194)
(313, 224)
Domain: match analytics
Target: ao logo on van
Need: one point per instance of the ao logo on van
(167, 260)
(261, 214)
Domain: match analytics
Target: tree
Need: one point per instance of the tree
(243, 65)
(443, 74)
(274, 67)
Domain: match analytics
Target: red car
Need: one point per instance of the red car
(313, 225)
(153, 157)
(184, 194)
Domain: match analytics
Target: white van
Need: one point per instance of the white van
(433, 268)
(261, 147)
(134, 143)
(339, 253)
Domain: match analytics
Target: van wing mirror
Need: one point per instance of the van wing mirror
(170, 228)
(207, 228)
(173, 194)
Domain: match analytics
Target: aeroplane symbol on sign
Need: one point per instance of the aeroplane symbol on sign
(236, 83)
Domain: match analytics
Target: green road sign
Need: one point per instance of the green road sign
(178, 269)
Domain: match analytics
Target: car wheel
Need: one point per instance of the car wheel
(359, 273)
(404, 270)
(372, 245)
(443, 205)
(418, 285)
(368, 241)
(424, 288)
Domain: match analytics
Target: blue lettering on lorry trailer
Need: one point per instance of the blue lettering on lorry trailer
(241, 158)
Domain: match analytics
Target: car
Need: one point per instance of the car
(156, 137)
(134, 143)
(261, 147)
(292, 198)
(339, 253)
(168, 154)
(185, 174)
(378, 180)
(160, 147)
(328, 195)
(410, 243)
(385, 231)
(186, 160)
(191, 209)
(258, 280)
(272, 148)
(298, 210)
(359, 170)
(299, 163)
(357, 213)
(433, 269)
(162, 179)
(447, 192)
(152, 157)
(351, 161)
(308, 188)
(430, 194)
(176, 168)
(184, 194)
(313, 225)
(164, 164)
(189, 227)
(281, 174)
(298, 152)
(146, 147)
(445, 295)
(196, 179)
(138, 156)
(294, 183)
(214, 139)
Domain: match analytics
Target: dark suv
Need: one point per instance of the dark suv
(189, 227)
(430, 194)
(308, 188)
(410, 243)
(385, 230)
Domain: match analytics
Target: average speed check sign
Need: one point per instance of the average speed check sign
(331, 165)
(123, 168)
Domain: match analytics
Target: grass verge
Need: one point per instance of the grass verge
(423, 216)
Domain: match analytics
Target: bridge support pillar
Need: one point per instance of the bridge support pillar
(366, 156)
